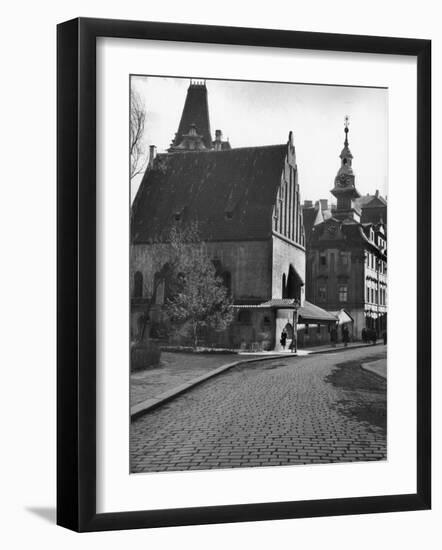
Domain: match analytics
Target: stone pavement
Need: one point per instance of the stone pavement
(277, 412)
(379, 367)
(175, 369)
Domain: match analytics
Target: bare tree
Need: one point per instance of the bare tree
(138, 154)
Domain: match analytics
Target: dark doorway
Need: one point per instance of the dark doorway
(294, 284)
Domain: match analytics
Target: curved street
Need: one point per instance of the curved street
(291, 410)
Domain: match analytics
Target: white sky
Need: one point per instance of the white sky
(262, 113)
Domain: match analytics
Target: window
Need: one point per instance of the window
(322, 259)
(344, 259)
(343, 293)
(159, 289)
(322, 293)
(227, 280)
(138, 284)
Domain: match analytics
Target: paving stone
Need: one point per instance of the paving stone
(255, 416)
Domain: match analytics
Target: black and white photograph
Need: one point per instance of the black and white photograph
(258, 273)
(219, 317)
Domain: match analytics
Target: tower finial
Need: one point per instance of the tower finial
(346, 125)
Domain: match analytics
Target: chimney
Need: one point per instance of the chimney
(152, 155)
(324, 204)
(218, 140)
(377, 193)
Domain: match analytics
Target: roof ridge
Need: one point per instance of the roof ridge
(206, 151)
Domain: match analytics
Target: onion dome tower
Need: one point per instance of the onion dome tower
(345, 190)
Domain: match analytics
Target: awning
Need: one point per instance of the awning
(308, 313)
(343, 316)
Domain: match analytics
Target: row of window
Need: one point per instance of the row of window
(161, 286)
(373, 263)
(376, 296)
(381, 242)
(343, 258)
(287, 214)
(342, 293)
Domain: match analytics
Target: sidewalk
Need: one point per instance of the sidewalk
(316, 349)
(377, 367)
(175, 369)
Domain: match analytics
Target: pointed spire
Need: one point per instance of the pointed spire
(346, 125)
(195, 115)
(344, 189)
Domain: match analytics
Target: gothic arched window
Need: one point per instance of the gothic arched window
(138, 284)
(284, 286)
(227, 280)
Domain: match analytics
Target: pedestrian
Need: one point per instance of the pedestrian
(333, 336)
(283, 339)
(364, 335)
(374, 336)
(345, 335)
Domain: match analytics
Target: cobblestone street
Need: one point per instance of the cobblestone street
(292, 410)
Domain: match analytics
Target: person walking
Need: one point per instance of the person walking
(333, 336)
(345, 335)
(283, 340)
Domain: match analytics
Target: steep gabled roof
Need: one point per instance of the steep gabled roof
(229, 193)
(195, 112)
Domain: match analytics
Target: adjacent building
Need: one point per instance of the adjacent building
(346, 271)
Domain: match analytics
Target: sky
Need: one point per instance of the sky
(263, 113)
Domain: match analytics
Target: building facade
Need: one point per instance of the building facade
(347, 252)
(246, 202)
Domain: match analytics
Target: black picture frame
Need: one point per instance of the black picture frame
(76, 274)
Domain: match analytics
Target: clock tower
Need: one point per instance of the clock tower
(344, 189)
